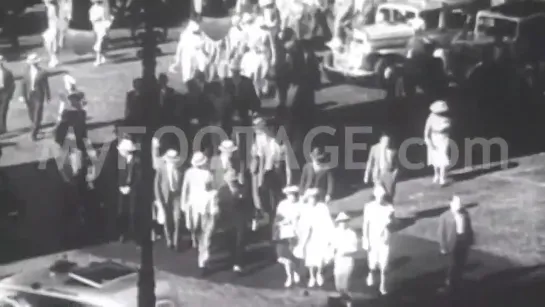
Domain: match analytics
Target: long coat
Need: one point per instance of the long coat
(41, 91)
(7, 88)
(383, 173)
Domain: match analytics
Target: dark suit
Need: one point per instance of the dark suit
(167, 104)
(245, 99)
(133, 108)
(218, 170)
(219, 110)
(35, 95)
(455, 244)
(169, 197)
(74, 171)
(7, 88)
(235, 211)
(385, 174)
(128, 176)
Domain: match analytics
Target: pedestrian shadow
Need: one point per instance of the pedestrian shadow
(82, 59)
(486, 169)
(401, 223)
(50, 73)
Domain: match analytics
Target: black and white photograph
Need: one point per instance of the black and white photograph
(272, 153)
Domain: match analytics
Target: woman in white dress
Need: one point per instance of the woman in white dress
(345, 246)
(315, 234)
(378, 216)
(51, 34)
(285, 223)
(191, 53)
(196, 189)
(260, 59)
(99, 15)
(436, 137)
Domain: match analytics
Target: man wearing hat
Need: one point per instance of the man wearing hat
(236, 211)
(382, 165)
(225, 161)
(245, 99)
(316, 174)
(455, 239)
(378, 216)
(7, 88)
(128, 180)
(72, 113)
(345, 245)
(167, 188)
(35, 92)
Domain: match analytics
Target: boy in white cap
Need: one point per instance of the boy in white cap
(285, 225)
(378, 216)
(345, 245)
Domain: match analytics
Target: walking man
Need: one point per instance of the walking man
(455, 239)
(99, 15)
(225, 161)
(7, 88)
(236, 209)
(378, 215)
(168, 183)
(128, 179)
(35, 92)
(382, 165)
(72, 114)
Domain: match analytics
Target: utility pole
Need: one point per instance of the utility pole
(146, 276)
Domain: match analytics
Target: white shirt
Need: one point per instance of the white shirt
(172, 176)
(197, 181)
(267, 148)
(377, 217)
(460, 223)
(33, 75)
(97, 13)
(345, 241)
(287, 215)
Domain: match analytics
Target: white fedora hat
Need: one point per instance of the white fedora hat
(198, 159)
(312, 192)
(33, 58)
(342, 217)
(171, 155)
(193, 26)
(227, 146)
(292, 189)
(126, 145)
(247, 18)
(439, 106)
(69, 80)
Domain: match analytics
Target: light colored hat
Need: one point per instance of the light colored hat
(439, 106)
(198, 159)
(312, 192)
(263, 3)
(342, 217)
(235, 20)
(227, 146)
(192, 26)
(247, 18)
(33, 58)
(171, 155)
(126, 145)
(379, 191)
(69, 80)
(259, 122)
(292, 189)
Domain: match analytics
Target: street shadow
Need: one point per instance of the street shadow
(487, 169)
(90, 58)
(50, 73)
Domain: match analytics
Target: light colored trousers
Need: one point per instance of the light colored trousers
(342, 271)
(205, 232)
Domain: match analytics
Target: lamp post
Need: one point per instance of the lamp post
(146, 276)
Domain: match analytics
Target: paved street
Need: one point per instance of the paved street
(508, 204)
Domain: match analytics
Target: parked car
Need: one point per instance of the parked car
(67, 284)
(441, 25)
(375, 54)
(510, 35)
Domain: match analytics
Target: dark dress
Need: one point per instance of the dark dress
(321, 179)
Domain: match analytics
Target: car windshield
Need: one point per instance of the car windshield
(499, 26)
(452, 19)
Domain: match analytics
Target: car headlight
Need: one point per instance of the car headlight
(439, 53)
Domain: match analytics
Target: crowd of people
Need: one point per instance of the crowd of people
(221, 189)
